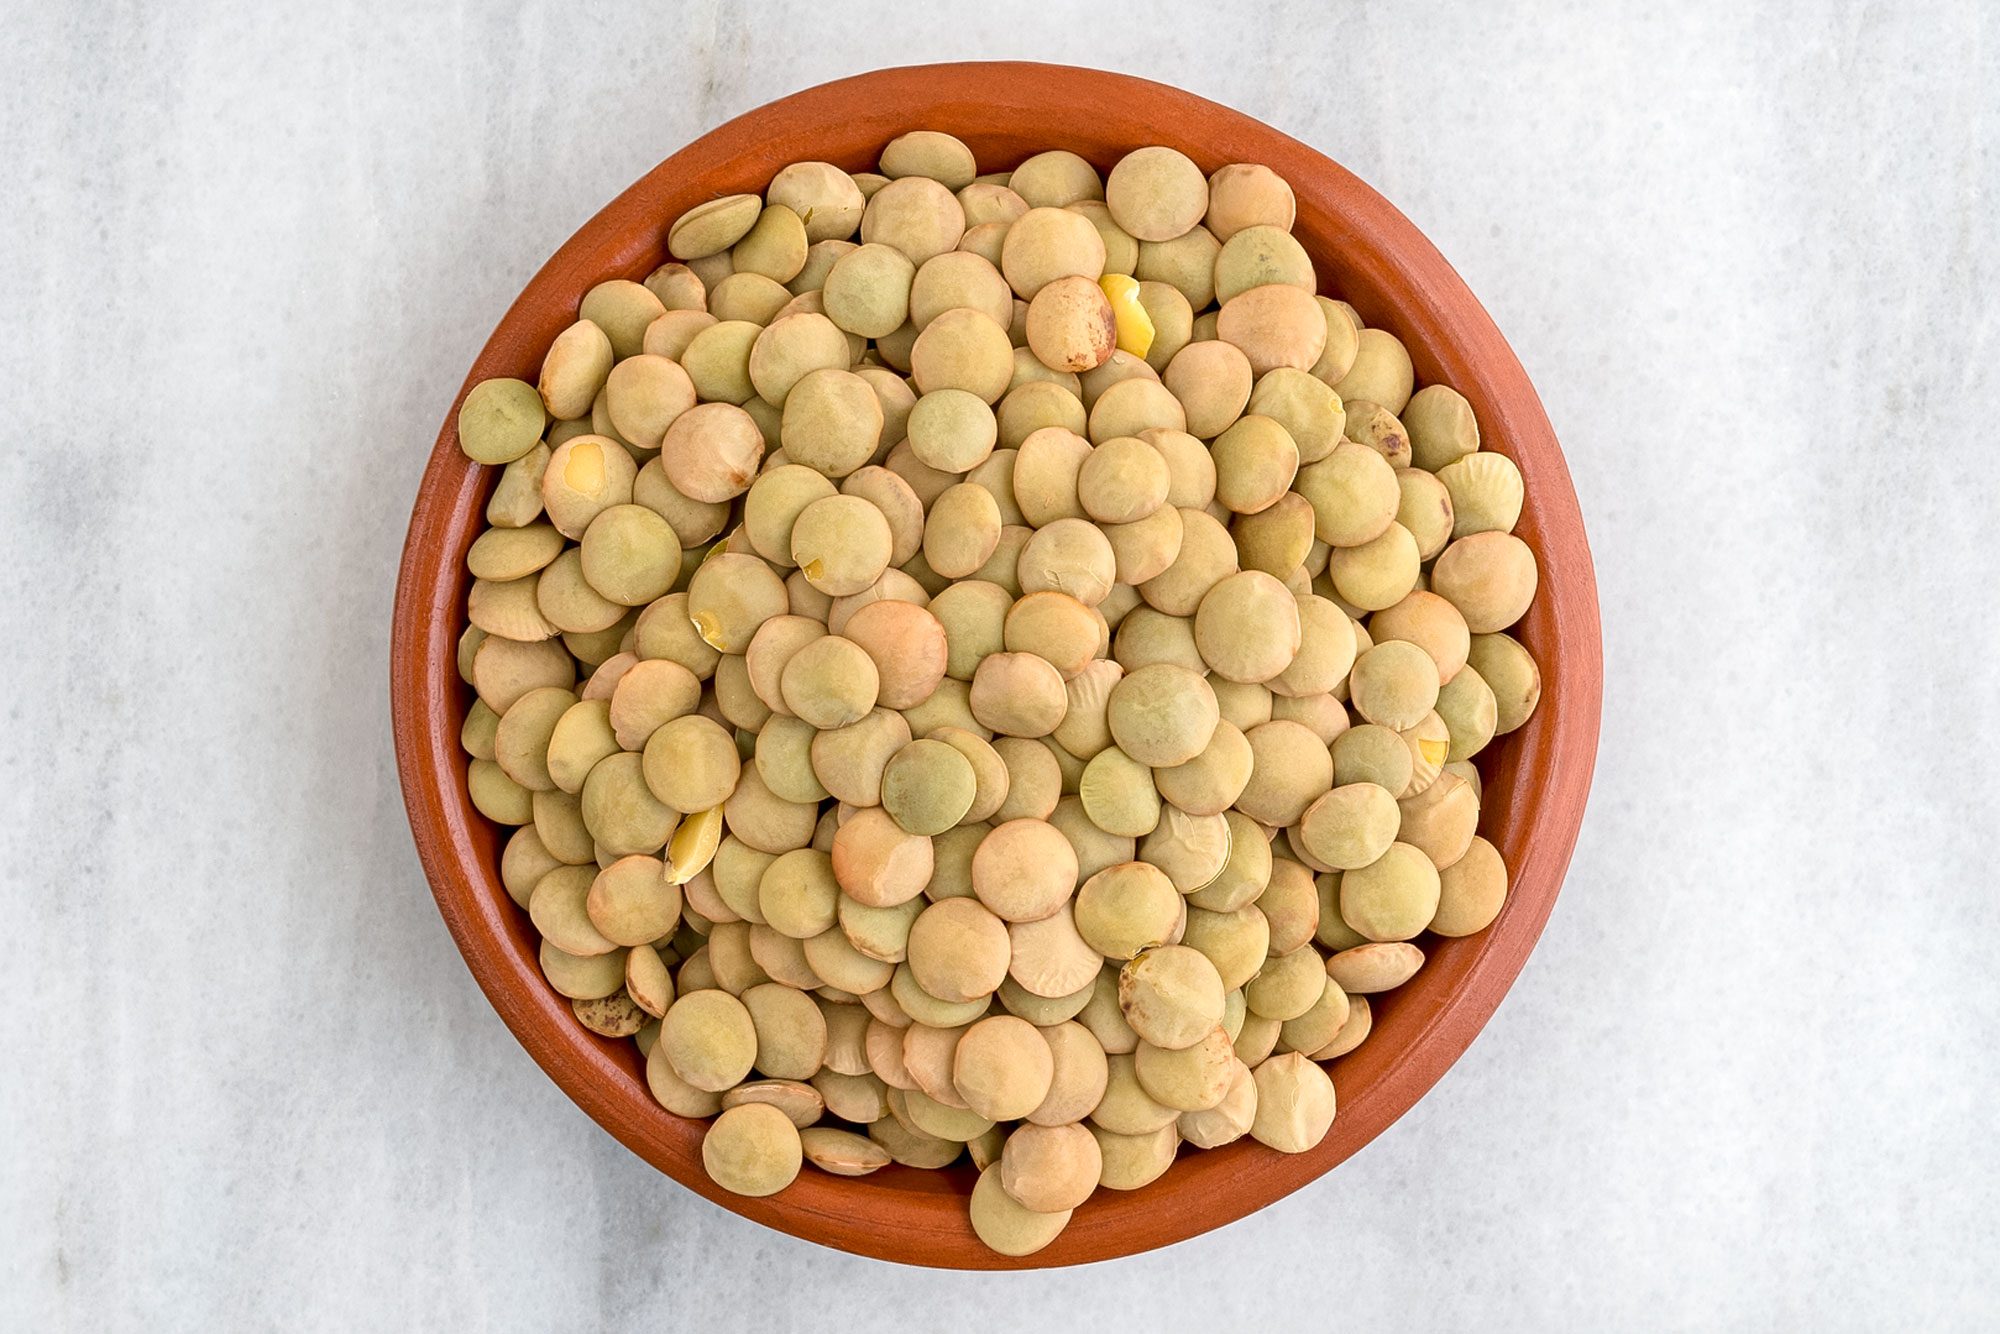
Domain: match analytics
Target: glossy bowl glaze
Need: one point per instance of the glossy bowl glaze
(1366, 252)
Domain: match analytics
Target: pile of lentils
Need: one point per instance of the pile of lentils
(1003, 685)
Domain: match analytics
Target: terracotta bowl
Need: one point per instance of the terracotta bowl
(1368, 253)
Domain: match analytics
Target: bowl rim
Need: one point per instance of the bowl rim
(919, 1217)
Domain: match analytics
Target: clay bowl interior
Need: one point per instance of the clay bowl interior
(1536, 779)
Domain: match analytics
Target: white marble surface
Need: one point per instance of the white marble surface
(1748, 252)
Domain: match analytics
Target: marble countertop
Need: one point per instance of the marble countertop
(1747, 252)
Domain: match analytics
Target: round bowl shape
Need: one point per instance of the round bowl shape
(1367, 253)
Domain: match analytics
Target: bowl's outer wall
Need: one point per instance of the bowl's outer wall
(1367, 253)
